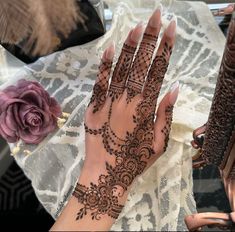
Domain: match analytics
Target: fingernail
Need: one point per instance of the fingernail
(137, 32)
(155, 19)
(174, 91)
(109, 54)
(170, 31)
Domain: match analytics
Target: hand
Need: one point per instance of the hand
(123, 138)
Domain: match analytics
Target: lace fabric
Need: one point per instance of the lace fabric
(160, 198)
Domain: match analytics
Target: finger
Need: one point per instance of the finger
(101, 86)
(144, 55)
(160, 64)
(124, 63)
(163, 120)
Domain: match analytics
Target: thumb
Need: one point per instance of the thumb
(162, 125)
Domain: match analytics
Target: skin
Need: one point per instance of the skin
(114, 103)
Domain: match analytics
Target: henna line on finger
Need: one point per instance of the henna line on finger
(100, 87)
(121, 72)
(167, 128)
(140, 66)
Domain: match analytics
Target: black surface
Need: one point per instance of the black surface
(20, 209)
(209, 190)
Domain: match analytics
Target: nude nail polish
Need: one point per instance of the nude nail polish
(171, 29)
(137, 32)
(174, 91)
(109, 54)
(156, 17)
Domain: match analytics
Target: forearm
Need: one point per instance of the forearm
(100, 213)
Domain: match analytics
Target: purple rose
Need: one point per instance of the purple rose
(27, 112)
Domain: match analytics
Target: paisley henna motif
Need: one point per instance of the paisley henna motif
(134, 150)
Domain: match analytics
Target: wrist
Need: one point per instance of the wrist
(97, 174)
(101, 190)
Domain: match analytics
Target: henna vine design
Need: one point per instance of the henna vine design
(167, 127)
(131, 152)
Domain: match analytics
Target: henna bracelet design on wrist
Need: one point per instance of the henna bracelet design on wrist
(131, 153)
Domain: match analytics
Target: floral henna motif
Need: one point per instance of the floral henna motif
(131, 155)
(99, 90)
(167, 127)
(131, 152)
(98, 198)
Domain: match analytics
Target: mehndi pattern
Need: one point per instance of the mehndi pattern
(131, 152)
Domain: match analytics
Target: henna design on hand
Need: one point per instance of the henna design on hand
(156, 75)
(140, 65)
(121, 71)
(99, 199)
(222, 113)
(99, 89)
(167, 128)
(133, 152)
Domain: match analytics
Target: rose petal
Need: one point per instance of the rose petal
(7, 138)
(10, 119)
(33, 119)
(32, 98)
(27, 137)
(11, 91)
(46, 117)
(4, 127)
(55, 107)
(5, 101)
(33, 85)
(26, 108)
(44, 130)
(17, 117)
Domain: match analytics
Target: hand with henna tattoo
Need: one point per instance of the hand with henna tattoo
(124, 134)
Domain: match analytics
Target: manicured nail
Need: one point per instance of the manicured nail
(109, 53)
(137, 32)
(156, 17)
(170, 31)
(174, 91)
